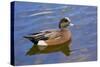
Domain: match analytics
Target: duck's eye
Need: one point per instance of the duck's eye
(65, 23)
(65, 20)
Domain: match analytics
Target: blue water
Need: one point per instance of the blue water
(34, 17)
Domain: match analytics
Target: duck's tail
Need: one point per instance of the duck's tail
(32, 39)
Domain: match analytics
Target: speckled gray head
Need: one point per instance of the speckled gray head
(65, 22)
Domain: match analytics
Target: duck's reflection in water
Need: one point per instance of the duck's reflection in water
(64, 48)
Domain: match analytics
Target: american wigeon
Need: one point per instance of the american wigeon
(52, 37)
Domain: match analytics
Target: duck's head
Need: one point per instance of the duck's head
(65, 22)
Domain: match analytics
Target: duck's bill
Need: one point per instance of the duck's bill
(71, 24)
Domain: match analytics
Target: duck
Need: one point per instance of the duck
(52, 37)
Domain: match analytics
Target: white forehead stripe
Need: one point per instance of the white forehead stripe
(42, 43)
(68, 19)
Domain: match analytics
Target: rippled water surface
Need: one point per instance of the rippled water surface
(34, 17)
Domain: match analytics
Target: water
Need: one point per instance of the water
(34, 17)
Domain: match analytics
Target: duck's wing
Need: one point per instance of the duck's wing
(45, 35)
(42, 35)
(36, 36)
